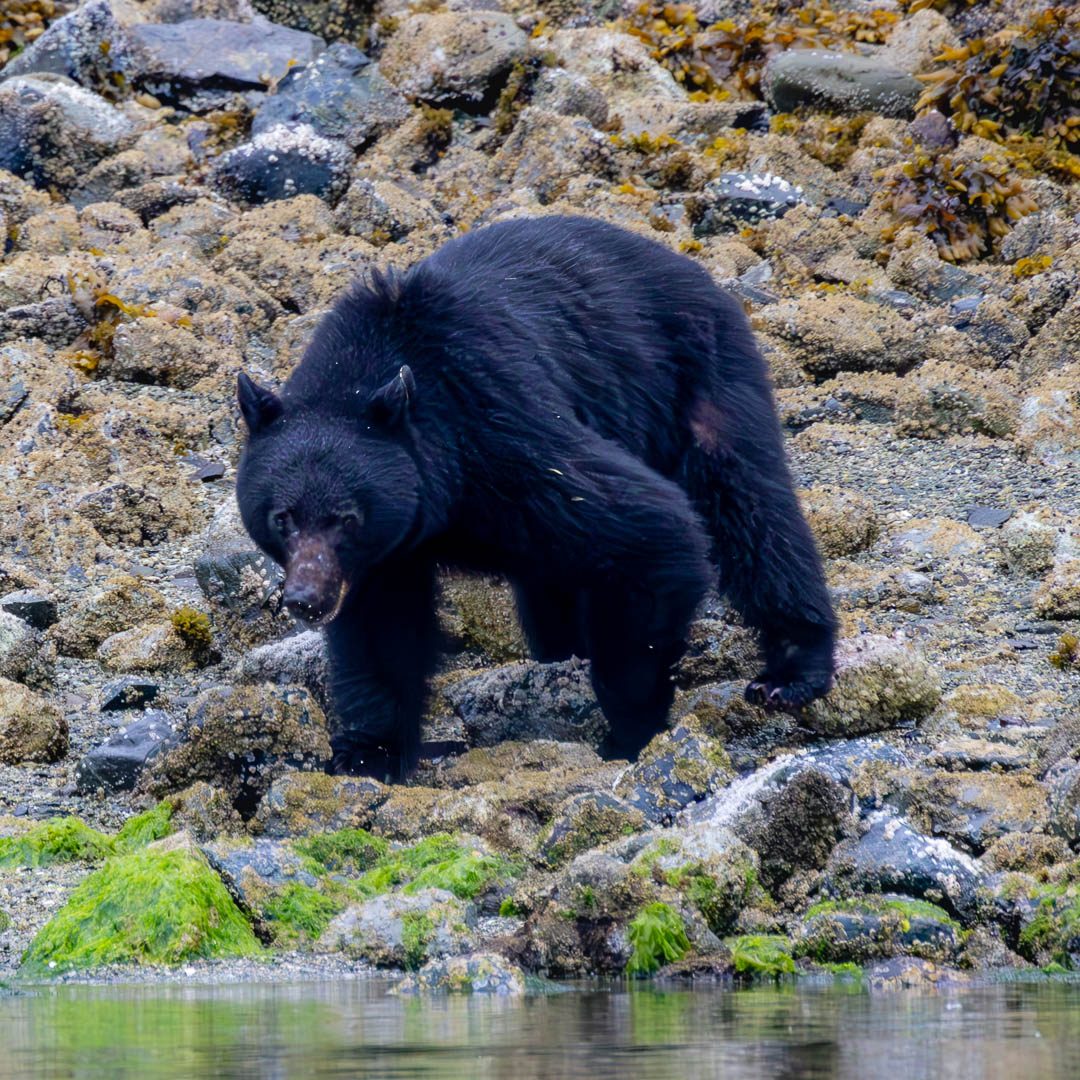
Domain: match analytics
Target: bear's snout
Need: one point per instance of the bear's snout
(315, 587)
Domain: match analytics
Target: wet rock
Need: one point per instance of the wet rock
(281, 163)
(31, 728)
(877, 927)
(492, 764)
(1059, 595)
(300, 660)
(54, 133)
(126, 513)
(455, 58)
(477, 973)
(123, 602)
(240, 738)
(838, 332)
(340, 95)
(892, 857)
(128, 693)
(478, 614)
(965, 753)
(118, 764)
(1027, 852)
(716, 651)
(403, 931)
(24, 655)
(32, 607)
(587, 821)
(910, 973)
(198, 63)
(299, 803)
(796, 828)
(880, 684)
(331, 19)
(735, 200)
(528, 700)
(206, 812)
(843, 522)
(254, 870)
(148, 647)
(677, 768)
(838, 82)
(381, 213)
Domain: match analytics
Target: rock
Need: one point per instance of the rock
(118, 764)
(892, 857)
(716, 651)
(836, 332)
(403, 931)
(149, 647)
(1049, 429)
(917, 41)
(198, 63)
(299, 803)
(587, 821)
(281, 163)
(453, 58)
(843, 522)
(944, 398)
(677, 768)
(838, 82)
(331, 19)
(206, 812)
(880, 684)
(875, 928)
(340, 95)
(128, 693)
(1063, 782)
(492, 764)
(1028, 545)
(299, 659)
(123, 602)
(382, 213)
(254, 870)
(735, 200)
(528, 700)
(932, 539)
(910, 973)
(88, 45)
(240, 738)
(149, 350)
(54, 133)
(1059, 595)
(798, 827)
(987, 517)
(32, 607)
(478, 614)
(31, 728)
(24, 656)
(568, 94)
(477, 973)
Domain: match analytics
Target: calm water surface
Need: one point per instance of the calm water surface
(354, 1029)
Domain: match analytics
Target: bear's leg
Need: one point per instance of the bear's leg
(768, 563)
(551, 619)
(635, 638)
(382, 649)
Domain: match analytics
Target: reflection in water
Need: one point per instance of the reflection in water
(354, 1029)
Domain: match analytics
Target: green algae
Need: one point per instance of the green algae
(764, 955)
(346, 851)
(657, 937)
(146, 907)
(880, 905)
(69, 839)
(5, 922)
(298, 914)
(417, 932)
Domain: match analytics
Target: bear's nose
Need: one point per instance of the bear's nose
(303, 602)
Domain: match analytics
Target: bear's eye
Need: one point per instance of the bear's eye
(282, 522)
(351, 519)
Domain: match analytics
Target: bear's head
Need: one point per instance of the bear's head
(328, 491)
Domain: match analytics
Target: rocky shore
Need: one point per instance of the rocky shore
(891, 188)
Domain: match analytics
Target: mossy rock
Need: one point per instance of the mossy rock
(587, 821)
(479, 614)
(477, 973)
(298, 803)
(155, 906)
(31, 728)
(1051, 929)
(877, 927)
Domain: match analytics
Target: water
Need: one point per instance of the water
(354, 1029)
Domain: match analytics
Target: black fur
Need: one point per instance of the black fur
(563, 402)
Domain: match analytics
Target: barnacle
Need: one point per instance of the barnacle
(21, 21)
(963, 205)
(830, 139)
(1022, 81)
(728, 57)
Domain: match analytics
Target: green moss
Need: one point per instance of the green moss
(657, 936)
(65, 839)
(1052, 934)
(193, 627)
(718, 902)
(5, 921)
(145, 828)
(347, 851)
(762, 955)
(299, 914)
(908, 909)
(844, 971)
(508, 909)
(147, 907)
(438, 862)
(417, 931)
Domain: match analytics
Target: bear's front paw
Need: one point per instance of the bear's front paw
(783, 695)
(377, 762)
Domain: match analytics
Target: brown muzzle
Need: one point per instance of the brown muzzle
(315, 587)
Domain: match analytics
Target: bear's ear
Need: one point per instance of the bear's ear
(389, 405)
(258, 405)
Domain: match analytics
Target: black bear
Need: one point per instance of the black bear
(559, 401)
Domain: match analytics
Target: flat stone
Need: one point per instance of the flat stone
(987, 517)
(735, 199)
(128, 693)
(33, 607)
(117, 764)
